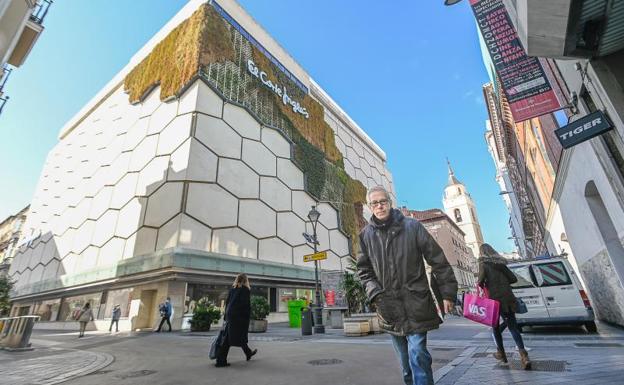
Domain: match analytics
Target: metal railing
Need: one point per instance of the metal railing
(6, 71)
(40, 11)
(3, 101)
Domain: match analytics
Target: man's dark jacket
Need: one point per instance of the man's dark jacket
(392, 269)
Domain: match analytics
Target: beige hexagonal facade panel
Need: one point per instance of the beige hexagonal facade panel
(256, 218)
(275, 193)
(174, 134)
(242, 121)
(259, 158)
(238, 178)
(274, 250)
(163, 115)
(199, 97)
(276, 142)
(141, 243)
(212, 205)
(131, 217)
(194, 234)
(218, 136)
(290, 228)
(290, 174)
(234, 241)
(164, 204)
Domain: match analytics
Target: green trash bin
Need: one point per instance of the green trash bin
(294, 312)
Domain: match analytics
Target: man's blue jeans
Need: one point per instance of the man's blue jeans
(415, 360)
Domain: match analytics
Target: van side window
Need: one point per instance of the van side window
(524, 275)
(552, 274)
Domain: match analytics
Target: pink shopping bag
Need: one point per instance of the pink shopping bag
(479, 308)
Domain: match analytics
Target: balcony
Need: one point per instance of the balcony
(30, 33)
(40, 11)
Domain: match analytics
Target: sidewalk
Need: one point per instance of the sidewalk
(572, 359)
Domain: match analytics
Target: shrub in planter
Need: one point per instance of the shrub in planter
(204, 315)
(259, 312)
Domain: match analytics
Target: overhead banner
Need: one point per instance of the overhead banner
(524, 81)
(583, 129)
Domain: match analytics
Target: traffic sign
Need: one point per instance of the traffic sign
(315, 257)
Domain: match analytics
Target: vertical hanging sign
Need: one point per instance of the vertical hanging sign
(523, 78)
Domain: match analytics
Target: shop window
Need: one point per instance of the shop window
(70, 306)
(286, 295)
(47, 310)
(117, 297)
(217, 294)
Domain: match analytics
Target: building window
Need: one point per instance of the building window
(458, 217)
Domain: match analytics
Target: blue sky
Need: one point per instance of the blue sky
(410, 73)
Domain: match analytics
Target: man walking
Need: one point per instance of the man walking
(391, 265)
(165, 314)
(115, 318)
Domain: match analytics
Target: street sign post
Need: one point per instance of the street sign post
(315, 257)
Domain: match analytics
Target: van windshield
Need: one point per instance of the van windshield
(523, 273)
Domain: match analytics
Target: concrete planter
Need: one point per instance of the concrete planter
(258, 326)
(356, 327)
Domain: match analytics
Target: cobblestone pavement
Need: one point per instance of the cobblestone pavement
(51, 366)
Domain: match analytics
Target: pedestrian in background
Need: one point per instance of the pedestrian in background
(86, 315)
(391, 265)
(495, 276)
(236, 318)
(165, 314)
(115, 318)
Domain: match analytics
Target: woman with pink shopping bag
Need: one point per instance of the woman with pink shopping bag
(495, 276)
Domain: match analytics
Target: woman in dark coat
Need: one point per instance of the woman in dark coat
(237, 315)
(497, 278)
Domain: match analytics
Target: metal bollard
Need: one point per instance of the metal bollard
(306, 321)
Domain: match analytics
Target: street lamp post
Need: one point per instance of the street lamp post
(313, 216)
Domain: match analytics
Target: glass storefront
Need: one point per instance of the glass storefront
(47, 310)
(286, 295)
(70, 306)
(217, 294)
(116, 297)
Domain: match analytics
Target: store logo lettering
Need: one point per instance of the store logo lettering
(280, 91)
(476, 310)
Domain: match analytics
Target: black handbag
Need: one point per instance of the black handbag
(521, 307)
(217, 342)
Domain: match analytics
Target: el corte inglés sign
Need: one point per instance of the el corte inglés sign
(279, 91)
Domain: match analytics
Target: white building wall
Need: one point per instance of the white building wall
(597, 255)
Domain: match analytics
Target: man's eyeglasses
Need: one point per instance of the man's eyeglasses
(381, 202)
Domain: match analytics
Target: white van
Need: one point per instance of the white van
(552, 293)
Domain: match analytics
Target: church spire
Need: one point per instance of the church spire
(451, 175)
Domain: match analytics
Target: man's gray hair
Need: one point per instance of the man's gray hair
(378, 189)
